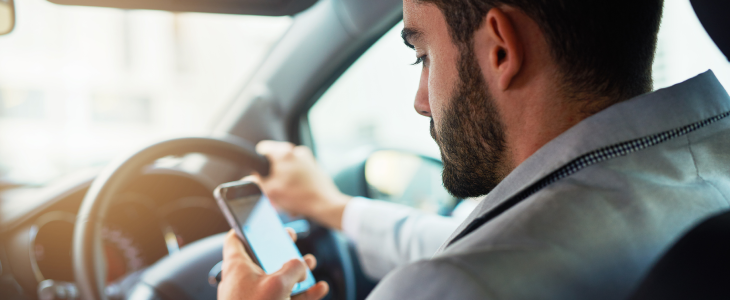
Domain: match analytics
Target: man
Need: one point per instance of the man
(542, 106)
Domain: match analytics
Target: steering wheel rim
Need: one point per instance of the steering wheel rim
(88, 258)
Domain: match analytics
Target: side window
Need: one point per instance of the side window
(684, 49)
(370, 108)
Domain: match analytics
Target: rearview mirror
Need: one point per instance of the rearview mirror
(243, 7)
(7, 16)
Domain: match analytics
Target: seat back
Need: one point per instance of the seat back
(696, 267)
(714, 17)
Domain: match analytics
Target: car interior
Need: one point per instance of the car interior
(142, 223)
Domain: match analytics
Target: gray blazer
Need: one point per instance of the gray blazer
(583, 218)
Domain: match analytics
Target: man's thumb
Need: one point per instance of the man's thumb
(292, 272)
(252, 178)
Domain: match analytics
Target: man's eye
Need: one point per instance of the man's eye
(419, 60)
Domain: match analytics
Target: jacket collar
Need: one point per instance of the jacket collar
(694, 100)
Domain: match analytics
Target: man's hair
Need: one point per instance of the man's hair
(604, 49)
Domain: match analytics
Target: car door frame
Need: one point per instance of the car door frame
(320, 45)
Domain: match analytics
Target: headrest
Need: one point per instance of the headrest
(714, 17)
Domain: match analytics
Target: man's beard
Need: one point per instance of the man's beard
(471, 135)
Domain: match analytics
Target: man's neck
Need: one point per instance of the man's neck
(537, 121)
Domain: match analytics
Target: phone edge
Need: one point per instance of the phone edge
(233, 222)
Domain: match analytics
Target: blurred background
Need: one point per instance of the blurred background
(79, 85)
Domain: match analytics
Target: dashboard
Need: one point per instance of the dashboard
(156, 215)
(137, 234)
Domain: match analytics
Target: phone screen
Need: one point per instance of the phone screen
(262, 229)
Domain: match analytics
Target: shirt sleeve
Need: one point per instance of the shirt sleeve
(351, 216)
(388, 235)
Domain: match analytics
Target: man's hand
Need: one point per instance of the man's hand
(243, 279)
(298, 185)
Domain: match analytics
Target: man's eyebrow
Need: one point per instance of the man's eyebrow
(408, 35)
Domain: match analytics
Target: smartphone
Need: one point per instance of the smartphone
(259, 228)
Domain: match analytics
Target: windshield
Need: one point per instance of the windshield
(79, 85)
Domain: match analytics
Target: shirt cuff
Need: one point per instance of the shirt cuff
(352, 215)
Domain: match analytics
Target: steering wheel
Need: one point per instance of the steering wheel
(88, 257)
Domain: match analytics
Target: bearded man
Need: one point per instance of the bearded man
(544, 108)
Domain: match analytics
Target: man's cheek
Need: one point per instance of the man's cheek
(441, 85)
(438, 105)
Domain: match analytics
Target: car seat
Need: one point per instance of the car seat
(696, 267)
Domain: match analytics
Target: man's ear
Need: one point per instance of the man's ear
(504, 48)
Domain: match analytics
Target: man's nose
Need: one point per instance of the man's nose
(421, 103)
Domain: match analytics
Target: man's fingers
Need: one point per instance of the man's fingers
(303, 151)
(292, 272)
(316, 292)
(311, 261)
(268, 148)
(292, 234)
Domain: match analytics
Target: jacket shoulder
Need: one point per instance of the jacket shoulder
(430, 279)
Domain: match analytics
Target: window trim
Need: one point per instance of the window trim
(298, 128)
